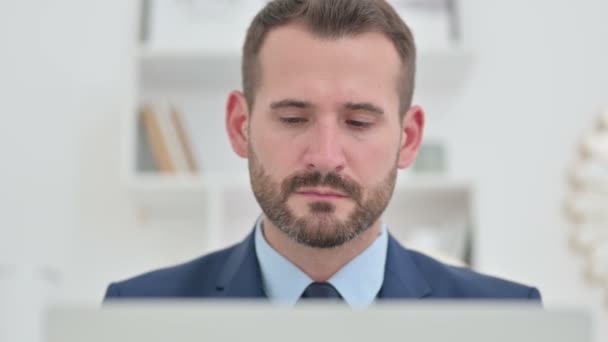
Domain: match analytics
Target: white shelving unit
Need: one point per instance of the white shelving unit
(438, 69)
(197, 80)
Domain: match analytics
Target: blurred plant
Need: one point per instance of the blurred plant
(586, 205)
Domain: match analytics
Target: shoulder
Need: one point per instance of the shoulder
(447, 281)
(193, 278)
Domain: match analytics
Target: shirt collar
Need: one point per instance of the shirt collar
(358, 282)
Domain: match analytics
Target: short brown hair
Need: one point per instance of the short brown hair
(331, 19)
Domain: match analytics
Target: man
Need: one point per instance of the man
(325, 120)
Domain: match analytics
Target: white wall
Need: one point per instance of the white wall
(538, 79)
(49, 82)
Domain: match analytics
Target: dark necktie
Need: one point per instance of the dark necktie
(321, 291)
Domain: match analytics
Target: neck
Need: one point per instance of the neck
(319, 264)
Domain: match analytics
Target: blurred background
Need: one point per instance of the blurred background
(115, 159)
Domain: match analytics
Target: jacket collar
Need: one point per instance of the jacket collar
(241, 276)
(402, 278)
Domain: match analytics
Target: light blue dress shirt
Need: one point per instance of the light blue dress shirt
(358, 282)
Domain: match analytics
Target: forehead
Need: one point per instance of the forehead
(294, 59)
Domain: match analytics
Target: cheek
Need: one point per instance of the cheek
(371, 161)
(370, 167)
(276, 154)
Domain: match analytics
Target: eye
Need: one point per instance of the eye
(292, 120)
(359, 124)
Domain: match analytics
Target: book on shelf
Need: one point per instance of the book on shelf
(168, 139)
(154, 138)
(183, 139)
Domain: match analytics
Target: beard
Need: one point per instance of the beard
(320, 227)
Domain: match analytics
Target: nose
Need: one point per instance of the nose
(325, 152)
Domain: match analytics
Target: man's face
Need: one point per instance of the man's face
(325, 135)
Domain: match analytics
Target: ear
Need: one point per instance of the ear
(413, 126)
(237, 121)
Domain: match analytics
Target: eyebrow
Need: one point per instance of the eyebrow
(290, 103)
(365, 106)
(293, 103)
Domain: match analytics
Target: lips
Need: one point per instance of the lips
(321, 194)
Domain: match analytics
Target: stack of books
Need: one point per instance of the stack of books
(167, 138)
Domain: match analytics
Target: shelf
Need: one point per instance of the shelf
(181, 68)
(439, 70)
(153, 182)
(433, 184)
(179, 197)
(185, 196)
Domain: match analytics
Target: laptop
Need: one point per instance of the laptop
(190, 321)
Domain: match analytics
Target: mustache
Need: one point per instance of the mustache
(314, 179)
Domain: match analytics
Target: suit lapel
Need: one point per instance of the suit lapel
(241, 276)
(402, 279)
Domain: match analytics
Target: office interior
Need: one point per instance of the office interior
(514, 163)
